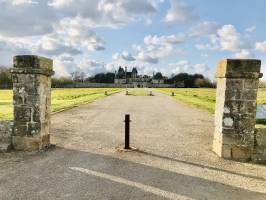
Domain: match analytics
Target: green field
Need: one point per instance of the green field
(197, 97)
(61, 99)
(204, 98)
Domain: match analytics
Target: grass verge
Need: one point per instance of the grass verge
(204, 99)
(62, 99)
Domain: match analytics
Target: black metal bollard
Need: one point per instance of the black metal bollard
(106, 93)
(173, 94)
(127, 131)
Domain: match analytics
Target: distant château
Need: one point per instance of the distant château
(122, 76)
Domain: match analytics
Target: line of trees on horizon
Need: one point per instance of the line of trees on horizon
(190, 80)
(5, 78)
(187, 80)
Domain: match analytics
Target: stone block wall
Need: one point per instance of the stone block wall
(259, 154)
(6, 128)
(236, 96)
(32, 101)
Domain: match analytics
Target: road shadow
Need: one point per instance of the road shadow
(50, 174)
(199, 165)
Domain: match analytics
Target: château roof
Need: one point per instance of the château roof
(134, 70)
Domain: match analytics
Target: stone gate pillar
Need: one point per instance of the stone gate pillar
(235, 113)
(32, 100)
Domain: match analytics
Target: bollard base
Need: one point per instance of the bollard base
(122, 149)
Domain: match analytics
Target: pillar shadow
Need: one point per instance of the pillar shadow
(200, 165)
(51, 174)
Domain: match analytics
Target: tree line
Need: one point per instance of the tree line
(190, 81)
(177, 80)
(5, 78)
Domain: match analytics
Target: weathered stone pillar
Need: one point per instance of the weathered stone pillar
(235, 113)
(32, 100)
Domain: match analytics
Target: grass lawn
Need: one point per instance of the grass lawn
(197, 97)
(204, 98)
(201, 98)
(61, 99)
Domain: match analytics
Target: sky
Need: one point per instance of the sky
(170, 36)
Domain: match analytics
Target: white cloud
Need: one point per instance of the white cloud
(152, 54)
(180, 13)
(15, 45)
(142, 56)
(263, 67)
(227, 39)
(201, 68)
(184, 66)
(160, 47)
(138, 6)
(244, 53)
(19, 2)
(204, 55)
(26, 19)
(261, 46)
(102, 13)
(164, 40)
(67, 58)
(91, 67)
(251, 29)
(56, 28)
(148, 21)
(123, 56)
(67, 31)
(64, 65)
(203, 29)
(180, 66)
(59, 3)
(52, 45)
(79, 33)
(230, 39)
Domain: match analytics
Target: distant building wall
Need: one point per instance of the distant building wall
(117, 85)
(157, 81)
(120, 81)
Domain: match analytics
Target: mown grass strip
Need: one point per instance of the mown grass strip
(62, 99)
(204, 99)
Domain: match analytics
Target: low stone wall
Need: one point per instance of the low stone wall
(259, 154)
(113, 85)
(95, 85)
(6, 128)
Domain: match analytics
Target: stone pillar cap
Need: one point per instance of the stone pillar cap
(32, 64)
(239, 68)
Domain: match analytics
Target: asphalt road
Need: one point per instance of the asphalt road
(172, 160)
